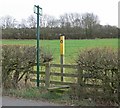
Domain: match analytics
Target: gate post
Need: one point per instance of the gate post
(47, 75)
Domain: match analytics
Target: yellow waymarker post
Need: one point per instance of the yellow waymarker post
(62, 49)
(62, 52)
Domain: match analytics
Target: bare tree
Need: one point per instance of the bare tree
(23, 24)
(31, 21)
(74, 19)
(44, 20)
(50, 21)
(8, 22)
(70, 20)
(89, 20)
(65, 21)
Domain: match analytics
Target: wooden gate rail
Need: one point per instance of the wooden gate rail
(79, 75)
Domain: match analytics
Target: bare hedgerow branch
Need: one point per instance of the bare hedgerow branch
(102, 65)
(17, 61)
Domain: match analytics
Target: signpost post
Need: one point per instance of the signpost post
(37, 10)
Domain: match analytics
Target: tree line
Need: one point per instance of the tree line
(72, 25)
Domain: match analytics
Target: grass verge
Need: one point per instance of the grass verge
(43, 95)
(38, 94)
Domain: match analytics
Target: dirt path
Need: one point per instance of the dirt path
(10, 101)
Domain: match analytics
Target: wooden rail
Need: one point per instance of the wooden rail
(79, 75)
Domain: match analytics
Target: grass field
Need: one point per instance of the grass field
(72, 47)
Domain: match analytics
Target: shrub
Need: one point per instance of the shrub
(46, 55)
(101, 64)
(18, 62)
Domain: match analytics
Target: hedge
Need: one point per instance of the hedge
(18, 61)
(102, 64)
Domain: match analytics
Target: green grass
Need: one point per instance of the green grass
(72, 47)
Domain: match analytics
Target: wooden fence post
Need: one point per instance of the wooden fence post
(47, 75)
(80, 75)
(79, 83)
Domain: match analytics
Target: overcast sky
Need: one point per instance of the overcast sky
(107, 10)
